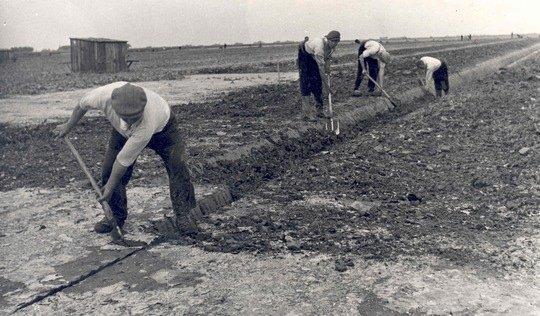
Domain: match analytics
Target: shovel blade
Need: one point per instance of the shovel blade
(332, 126)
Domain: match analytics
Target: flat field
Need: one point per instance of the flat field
(429, 209)
(40, 73)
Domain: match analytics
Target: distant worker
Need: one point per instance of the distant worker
(462, 38)
(436, 71)
(374, 57)
(314, 66)
(512, 35)
(140, 118)
(470, 37)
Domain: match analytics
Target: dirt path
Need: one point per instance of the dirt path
(35, 109)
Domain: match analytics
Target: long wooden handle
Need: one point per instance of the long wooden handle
(106, 208)
(378, 86)
(84, 168)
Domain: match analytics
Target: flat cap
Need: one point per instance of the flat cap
(128, 100)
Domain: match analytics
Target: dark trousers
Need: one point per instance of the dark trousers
(373, 65)
(440, 79)
(310, 78)
(170, 147)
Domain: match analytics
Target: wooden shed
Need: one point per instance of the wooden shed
(98, 55)
(4, 55)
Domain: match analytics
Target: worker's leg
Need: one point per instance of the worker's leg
(170, 147)
(118, 201)
(317, 91)
(359, 77)
(446, 82)
(380, 77)
(373, 66)
(304, 64)
(446, 86)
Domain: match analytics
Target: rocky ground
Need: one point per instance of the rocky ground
(455, 179)
(432, 212)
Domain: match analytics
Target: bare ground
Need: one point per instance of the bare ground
(432, 213)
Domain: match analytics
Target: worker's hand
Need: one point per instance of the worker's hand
(364, 71)
(107, 192)
(61, 130)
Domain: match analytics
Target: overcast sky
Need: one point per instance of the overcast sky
(50, 23)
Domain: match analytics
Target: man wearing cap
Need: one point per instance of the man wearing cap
(313, 66)
(436, 72)
(140, 118)
(373, 56)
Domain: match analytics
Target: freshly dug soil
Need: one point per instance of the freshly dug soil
(457, 179)
(32, 158)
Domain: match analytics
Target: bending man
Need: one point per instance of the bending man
(314, 66)
(436, 72)
(371, 55)
(140, 118)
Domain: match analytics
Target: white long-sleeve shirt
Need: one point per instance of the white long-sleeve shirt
(432, 64)
(375, 50)
(319, 50)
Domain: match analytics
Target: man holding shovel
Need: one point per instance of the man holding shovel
(314, 65)
(140, 118)
(436, 71)
(374, 57)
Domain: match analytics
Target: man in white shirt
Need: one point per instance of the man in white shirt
(436, 72)
(371, 55)
(313, 65)
(140, 118)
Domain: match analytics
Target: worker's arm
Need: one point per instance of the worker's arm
(429, 79)
(126, 158)
(322, 71)
(420, 73)
(63, 129)
(362, 63)
(118, 171)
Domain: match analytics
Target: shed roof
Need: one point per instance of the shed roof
(94, 39)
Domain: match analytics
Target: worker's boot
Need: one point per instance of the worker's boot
(376, 93)
(187, 225)
(357, 93)
(104, 226)
(307, 111)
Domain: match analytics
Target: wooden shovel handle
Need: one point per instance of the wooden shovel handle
(106, 208)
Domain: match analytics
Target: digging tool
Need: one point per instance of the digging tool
(116, 234)
(379, 86)
(331, 125)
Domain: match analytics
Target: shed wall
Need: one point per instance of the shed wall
(99, 57)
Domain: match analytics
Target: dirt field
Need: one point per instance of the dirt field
(211, 128)
(430, 209)
(38, 74)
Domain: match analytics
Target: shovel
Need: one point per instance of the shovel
(382, 90)
(116, 234)
(330, 125)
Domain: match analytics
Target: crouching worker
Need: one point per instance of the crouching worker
(140, 118)
(372, 59)
(313, 66)
(436, 71)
